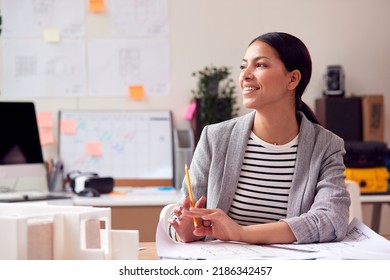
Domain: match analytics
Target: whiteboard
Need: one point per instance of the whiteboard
(118, 144)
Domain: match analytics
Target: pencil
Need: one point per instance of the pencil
(190, 191)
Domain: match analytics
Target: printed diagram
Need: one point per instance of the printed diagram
(114, 65)
(43, 69)
(140, 17)
(141, 10)
(43, 11)
(59, 66)
(235, 249)
(129, 61)
(30, 18)
(26, 66)
(356, 234)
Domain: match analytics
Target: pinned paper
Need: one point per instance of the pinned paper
(46, 137)
(136, 92)
(191, 111)
(51, 35)
(68, 126)
(94, 148)
(96, 6)
(45, 119)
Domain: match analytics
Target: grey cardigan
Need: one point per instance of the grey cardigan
(318, 203)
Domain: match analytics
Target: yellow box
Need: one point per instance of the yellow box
(372, 179)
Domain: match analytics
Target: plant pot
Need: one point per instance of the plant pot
(210, 111)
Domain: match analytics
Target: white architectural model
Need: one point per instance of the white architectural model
(47, 232)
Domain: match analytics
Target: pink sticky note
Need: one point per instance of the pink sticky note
(45, 119)
(191, 111)
(94, 148)
(68, 126)
(46, 137)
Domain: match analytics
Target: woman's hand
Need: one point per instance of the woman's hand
(184, 226)
(215, 223)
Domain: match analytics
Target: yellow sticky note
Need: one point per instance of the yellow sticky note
(45, 119)
(96, 6)
(94, 148)
(136, 92)
(51, 35)
(68, 126)
(46, 137)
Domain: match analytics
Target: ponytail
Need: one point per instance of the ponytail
(305, 109)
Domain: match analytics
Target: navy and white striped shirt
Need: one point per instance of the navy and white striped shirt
(265, 181)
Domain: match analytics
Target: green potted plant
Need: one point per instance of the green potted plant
(215, 97)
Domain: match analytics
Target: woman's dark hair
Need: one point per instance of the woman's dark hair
(295, 56)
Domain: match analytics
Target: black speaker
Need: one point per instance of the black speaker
(343, 116)
(334, 81)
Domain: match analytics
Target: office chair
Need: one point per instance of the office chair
(165, 214)
(355, 210)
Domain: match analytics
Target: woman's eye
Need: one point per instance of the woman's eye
(260, 65)
(242, 67)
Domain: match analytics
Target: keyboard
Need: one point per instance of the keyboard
(31, 196)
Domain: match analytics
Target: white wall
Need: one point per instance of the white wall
(353, 33)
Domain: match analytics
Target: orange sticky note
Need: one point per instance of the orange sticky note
(46, 137)
(45, 119)
(96, 6)
(94, 148)
(136, 92)
(117, 194)
(191, 111)
(68, 126)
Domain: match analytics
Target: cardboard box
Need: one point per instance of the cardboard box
(373, 118)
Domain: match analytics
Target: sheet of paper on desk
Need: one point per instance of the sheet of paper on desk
(169, 249)
(361, 243)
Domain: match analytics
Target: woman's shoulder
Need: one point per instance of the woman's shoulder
(326, 134)
(319, 137)
(317, 131)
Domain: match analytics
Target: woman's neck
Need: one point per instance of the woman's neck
(276, 128)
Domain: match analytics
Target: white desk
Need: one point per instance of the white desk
(132, 196)
(377, 200)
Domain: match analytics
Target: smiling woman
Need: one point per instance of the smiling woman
(274, 175)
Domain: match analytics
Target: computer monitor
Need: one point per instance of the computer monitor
(21, 162)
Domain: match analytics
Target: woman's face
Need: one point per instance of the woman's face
(264, 80)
